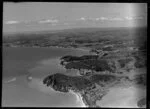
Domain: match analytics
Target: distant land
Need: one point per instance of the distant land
(117, 57)
(72, 29)
(75, 37)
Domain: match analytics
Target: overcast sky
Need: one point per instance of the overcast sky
(34, 16)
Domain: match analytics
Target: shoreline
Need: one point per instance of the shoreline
(127, 100)
(38, 84)
(78, 48)
(79, 97)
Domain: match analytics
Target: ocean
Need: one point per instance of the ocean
(23, 71)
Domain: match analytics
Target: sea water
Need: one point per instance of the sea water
(23, 71)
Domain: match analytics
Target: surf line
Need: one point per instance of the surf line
(79, 97)
(11, 80)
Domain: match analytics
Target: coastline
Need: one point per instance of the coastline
(126, 97)
(36, 83)
(33, 86)
(79, 98)
(33, 83)
(78, 48)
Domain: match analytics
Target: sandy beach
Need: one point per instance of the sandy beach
(78, 97)
(120, 97)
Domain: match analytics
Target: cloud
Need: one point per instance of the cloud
(133, 18)
(116, 19)
(48, 21)
(129, 18)
(103, 18)
(11, 22)
(32, 22)
(99, 19)
(93, 19)
(82, 19)
(106, 18)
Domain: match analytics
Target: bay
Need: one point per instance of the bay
(23, 71)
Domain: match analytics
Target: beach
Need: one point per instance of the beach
(78, 97)
(120, 97)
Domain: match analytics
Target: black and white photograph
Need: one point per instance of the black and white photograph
(74, 54)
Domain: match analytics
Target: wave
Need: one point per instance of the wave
(79, 98)
(11, 80)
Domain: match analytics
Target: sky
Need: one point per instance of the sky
(37, 16)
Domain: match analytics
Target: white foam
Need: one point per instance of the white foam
(38, 84)
(30, 77)
(11, 80)
(78, 98)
